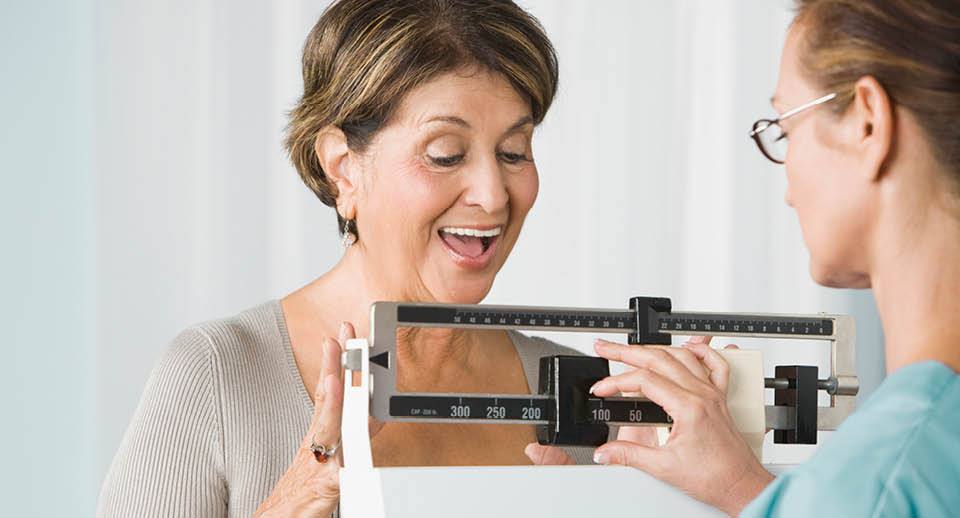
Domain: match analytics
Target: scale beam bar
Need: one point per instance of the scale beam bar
(581, 417)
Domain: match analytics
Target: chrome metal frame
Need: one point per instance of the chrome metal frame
(842, 384)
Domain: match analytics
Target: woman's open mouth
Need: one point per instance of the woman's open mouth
(470, 247)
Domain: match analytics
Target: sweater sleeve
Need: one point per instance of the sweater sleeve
(170, 462)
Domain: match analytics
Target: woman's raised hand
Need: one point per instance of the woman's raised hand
(705, 455)
(311, 485)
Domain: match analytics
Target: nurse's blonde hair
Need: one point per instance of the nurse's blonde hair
(911, 47)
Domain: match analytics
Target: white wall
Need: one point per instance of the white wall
(47, 258)
(173, 201)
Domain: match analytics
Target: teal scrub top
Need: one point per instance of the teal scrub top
(897, 455)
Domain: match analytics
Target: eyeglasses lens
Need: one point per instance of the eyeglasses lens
(774, 143)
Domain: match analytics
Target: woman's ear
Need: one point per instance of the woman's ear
(335, 159)
(873, 120)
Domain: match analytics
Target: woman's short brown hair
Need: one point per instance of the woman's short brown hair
(363, 56)
(911, 47)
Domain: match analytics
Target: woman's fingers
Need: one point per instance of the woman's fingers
(346, 333)
(331, 416)
(547, 455)
(330, 365)
(700, 340)
(328, 398)
(657, 359)
(311, 485)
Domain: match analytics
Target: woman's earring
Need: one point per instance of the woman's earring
(348, 238)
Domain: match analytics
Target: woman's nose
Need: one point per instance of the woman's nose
(487, 188)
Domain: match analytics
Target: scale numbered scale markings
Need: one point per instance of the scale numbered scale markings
(522, 409)
(564, 412)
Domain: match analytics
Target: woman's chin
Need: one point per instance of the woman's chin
(466, 292)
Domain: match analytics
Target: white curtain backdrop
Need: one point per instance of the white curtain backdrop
(649, 184)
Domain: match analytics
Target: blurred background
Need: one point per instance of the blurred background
(145, 189)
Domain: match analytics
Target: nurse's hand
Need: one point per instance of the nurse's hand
(542, 455)
(551, 455)
(705, 456)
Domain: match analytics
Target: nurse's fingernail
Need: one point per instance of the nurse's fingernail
(595, 385)
(599, 458)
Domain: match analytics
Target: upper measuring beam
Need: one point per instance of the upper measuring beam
(649, 321)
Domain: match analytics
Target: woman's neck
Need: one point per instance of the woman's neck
(916, 281)
(346, 293)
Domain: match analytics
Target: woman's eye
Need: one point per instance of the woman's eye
(446, 161)
(783, 136)
(513, 158)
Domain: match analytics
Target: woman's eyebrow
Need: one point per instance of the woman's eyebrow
(453, 119)
(523, 121)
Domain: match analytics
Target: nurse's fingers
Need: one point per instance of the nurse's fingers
(690, 361)
(614, 385)
(656, 359)
(700, 340)
(645, 458)
(719, 369)
(655, 387)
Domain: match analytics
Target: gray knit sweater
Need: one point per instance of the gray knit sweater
(221, 418)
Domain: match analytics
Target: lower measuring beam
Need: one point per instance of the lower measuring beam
(515, 409)
(564, 412)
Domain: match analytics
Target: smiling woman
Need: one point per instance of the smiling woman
(415, 123)
(363, 57)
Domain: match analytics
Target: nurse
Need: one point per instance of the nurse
(869, 99)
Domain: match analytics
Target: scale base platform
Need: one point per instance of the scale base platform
(520, 491)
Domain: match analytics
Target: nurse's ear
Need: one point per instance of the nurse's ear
(341, 168)
(872, 124)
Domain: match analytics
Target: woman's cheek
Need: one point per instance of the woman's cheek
(422, 191)
(525, 191)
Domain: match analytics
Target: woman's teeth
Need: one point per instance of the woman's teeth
(469, 242)
(471, 231)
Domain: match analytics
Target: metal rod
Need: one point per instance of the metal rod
(828, 385)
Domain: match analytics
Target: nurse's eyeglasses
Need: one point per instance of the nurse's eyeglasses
(769, 135)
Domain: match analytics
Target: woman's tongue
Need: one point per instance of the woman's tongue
(467, 246)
